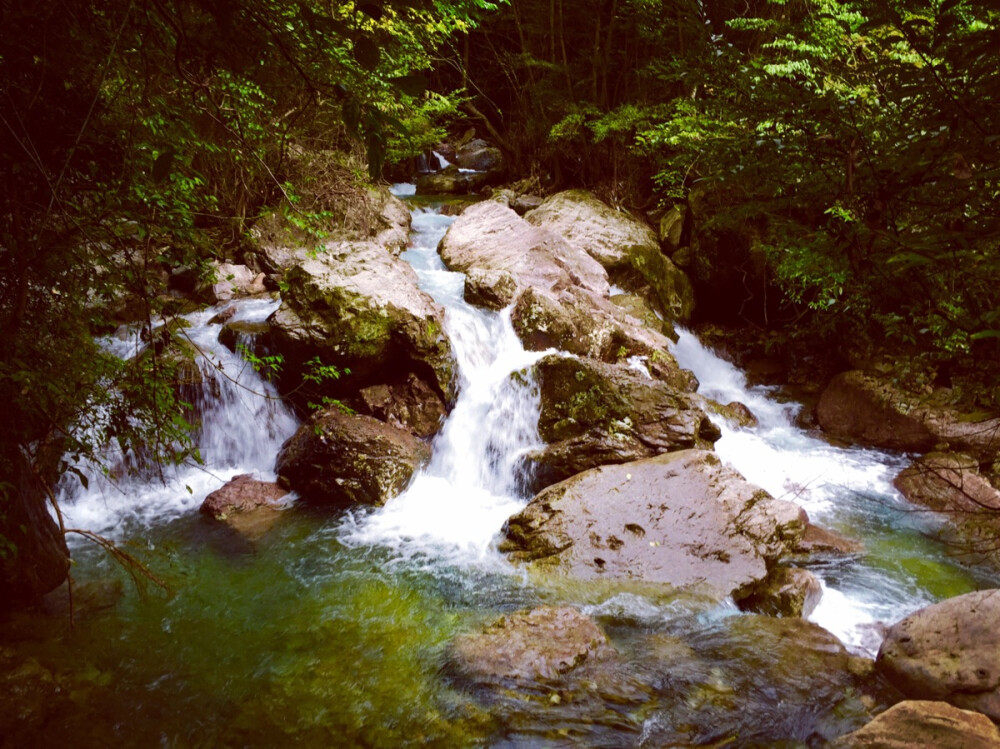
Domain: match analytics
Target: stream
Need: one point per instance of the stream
(332, 629)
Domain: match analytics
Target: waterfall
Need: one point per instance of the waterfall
(242, 425)
(455, 506)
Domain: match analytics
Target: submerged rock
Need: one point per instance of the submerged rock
(246, 504)
(949, 651)
(915, 724)
(345, 459)
(593, 413)
(682, 519)
(817, 541)
(358, 308)
(627, 248)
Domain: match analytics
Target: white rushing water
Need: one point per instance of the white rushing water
(243, 424)
(455, 506)
(845, 489)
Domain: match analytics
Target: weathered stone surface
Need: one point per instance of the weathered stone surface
(821, 541)
(392, 225)
(921, 724)
(672, 228)
(788, 591)
(623, 245)
(254, 335)
(451, 181)
(862, 408)
(950, 483)
(479, 155)
(949, 651)
(492, 289)
(359, 308)
(770, 682)
(246, 504)
(235, 281)
(550, 671)
(682, 519)
(490, 236)
(637, 306)
(736, 413)
(343, 459)
(39, 560)
(411, 405)
(593, 413)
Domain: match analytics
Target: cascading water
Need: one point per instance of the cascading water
(455, 506)
(845, 489)
(242, 425)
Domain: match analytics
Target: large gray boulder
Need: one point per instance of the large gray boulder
(864, 408)
(682, 519)
(592, 413)
(922, 724)
(359, 308)
(344, 459)
(949, 651)
(626, 247)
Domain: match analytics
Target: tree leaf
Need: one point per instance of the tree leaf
(367, 53)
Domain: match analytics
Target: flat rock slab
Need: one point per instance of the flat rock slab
(682, 519)
(949, 651)
(922, 724)
(246, 504)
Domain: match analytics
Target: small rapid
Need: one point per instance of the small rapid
(241, 423)
(848, 490)
(455, 506)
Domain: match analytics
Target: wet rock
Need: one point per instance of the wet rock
(358, 308)
(35, 559)
(254, 335)
(637, 306)
(736, 413)
(247, 505)
(593, 413)
(788, 591)
(626, 247)
(223, 316)
(770, 682)
(492, 289)
(817, 541)
(916, 724)
(490, 236)
(863, 408)
(950, 483)
(343, 459)
(89, 598)
(671, 226)
(949, 651)
(479, 155)
(451, 181)
(682, 519)
(29, 693)
(550, 672)
(411, 405)
(235, 281)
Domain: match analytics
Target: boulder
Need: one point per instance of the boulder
(770, 682)
(863, 408)
(255, 336)
(637, 306)
(591, 414)
(671, 227)
(451, 181)
(949, 651)
(33, 554)
(491, 236)
(817, 541)
(343, 459)
(391, 228)
(627, 248)
(788, 591)
(489, 288)
(359, 308)
(682, 519)
(919, 724)
(246, 504)
(411, 405)
(546, 669)
(479, 155)
(738, 414)
(950, 483)
(234, 281)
